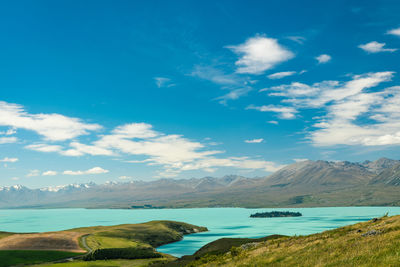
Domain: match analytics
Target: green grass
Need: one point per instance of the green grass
(352, 245)
(224, 245)
(106, 263)
(19, 257)
(97, 241)
(154, 234)
(218, 247)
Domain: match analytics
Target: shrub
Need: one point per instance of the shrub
(235, 251)
(122, 253)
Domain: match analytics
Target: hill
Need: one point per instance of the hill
(130, 241)
(372, 243)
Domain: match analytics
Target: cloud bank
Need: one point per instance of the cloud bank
(347, 105)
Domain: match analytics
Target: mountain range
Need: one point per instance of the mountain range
(302, 184)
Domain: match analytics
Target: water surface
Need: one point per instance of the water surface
(221, 222)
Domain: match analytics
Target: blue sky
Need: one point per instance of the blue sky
(127, 90)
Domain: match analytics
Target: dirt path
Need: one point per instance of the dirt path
(84, 244)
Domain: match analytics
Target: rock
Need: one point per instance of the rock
(372, 233)
(249, 245)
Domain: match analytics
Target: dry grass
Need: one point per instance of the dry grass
(347, 246)
(62, 241)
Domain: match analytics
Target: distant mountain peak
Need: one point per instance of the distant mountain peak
(17, 187)
(320, 182)
(380, 164)
(67, 187)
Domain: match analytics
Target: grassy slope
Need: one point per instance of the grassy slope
(154, 234)
(224, 245)
(216, 247)
(150, 234)
(346, 246)
(16, 257)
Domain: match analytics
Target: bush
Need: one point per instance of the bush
(122, 253)
(235, 251)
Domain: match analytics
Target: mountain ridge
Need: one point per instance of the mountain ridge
(306, 183)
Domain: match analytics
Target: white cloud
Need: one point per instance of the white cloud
(95, 170)
(259, 54)
(297, 39)
(254, 141)
(78, 149)
(375, 47)
(284, 112)
(273, 122)
(347, 105)
(7, 159)
(53, 127)
(217, 76)
(340, 125)
(233, 95)
(33, 173)
(44, 147)
(15, 178)
(294, 89)
(135, 130)
(10, 131)
(324, 58)
(163, 82)
(162, 149)
(172, 152)
(124, 177)
(237, 162)
(49, 173)
(235, 84)
(300, 160)
(322, 93)
(394, 32)
(8, 140)
(280, 75)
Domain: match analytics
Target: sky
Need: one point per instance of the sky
(142, 90)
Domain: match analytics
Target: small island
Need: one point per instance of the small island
(274, 214)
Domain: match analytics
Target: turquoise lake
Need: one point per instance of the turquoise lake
(221, 222)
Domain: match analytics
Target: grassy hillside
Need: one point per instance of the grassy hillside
(150, 234)
(217, 247)
(372, 243)
(127, 240)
